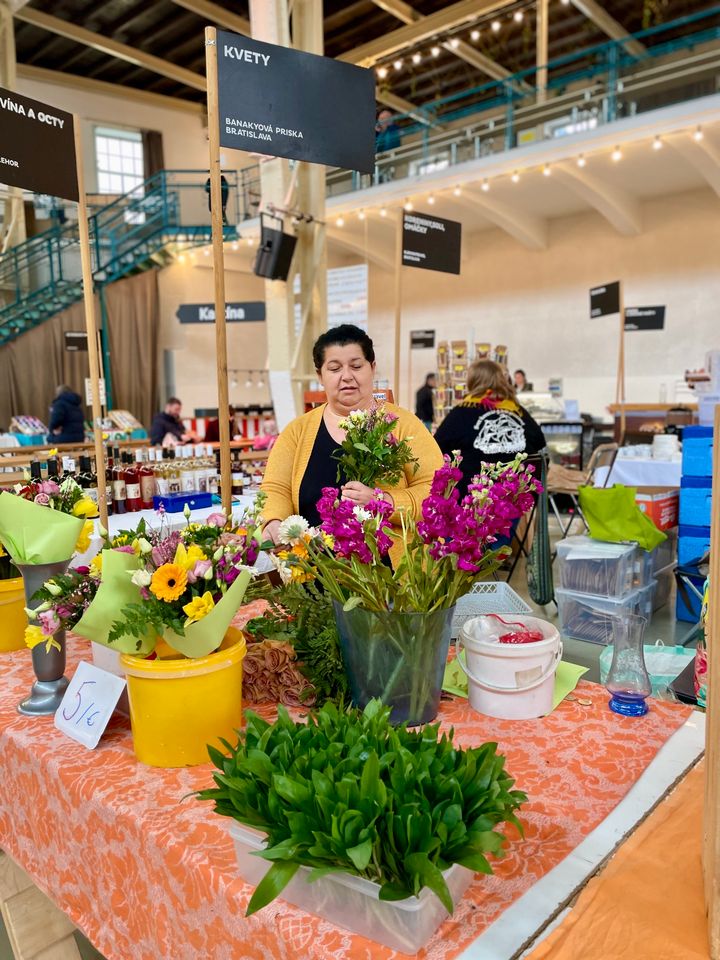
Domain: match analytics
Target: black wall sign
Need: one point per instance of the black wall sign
(644, 318)
(605, 300)
(234, 312)
(431, 243)
(75, 340)
(287, 103)
(422, 339)
(37, 147)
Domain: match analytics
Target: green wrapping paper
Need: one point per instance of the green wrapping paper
(206, 635)
(34, 534)
(116, 591)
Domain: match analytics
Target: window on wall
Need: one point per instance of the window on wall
(119, 160)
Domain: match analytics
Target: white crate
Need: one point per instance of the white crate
(487, 596)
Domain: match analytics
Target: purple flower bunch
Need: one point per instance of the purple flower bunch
(467, 528)
(354, 528)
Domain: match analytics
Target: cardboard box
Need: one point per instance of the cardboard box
(661, 504)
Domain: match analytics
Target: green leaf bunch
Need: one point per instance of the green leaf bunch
(348, 792)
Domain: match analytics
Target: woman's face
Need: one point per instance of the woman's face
(347, 377)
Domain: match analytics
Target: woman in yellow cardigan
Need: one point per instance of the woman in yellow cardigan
(301, 463)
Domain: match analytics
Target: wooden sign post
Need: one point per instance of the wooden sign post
(398, 302)
(620, 385)
(90, 326)
(711, 826)
(218, 267)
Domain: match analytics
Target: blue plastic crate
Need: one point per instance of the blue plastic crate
(688, 604)
(176, 503)
(693, 543)
(30, 439)
(697, 452)
(695, 501)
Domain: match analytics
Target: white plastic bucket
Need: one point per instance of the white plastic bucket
(509, 681)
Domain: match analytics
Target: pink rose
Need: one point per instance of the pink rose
(216, 520)
(49, 487)
(49, 622)
(43, 499)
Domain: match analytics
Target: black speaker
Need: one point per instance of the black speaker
(275, 253)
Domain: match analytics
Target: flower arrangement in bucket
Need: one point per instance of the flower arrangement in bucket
(374, 815)
(394, 625)
(42, 523)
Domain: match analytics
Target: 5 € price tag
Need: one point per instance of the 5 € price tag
(88, 704)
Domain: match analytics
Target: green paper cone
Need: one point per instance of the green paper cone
(34, 534)
(205, 636)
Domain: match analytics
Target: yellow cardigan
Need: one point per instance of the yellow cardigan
(289, 458)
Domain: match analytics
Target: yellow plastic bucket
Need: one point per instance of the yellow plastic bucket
(13, 619)
(179, 706)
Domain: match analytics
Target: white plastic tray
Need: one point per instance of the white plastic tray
(352, 902)
(487, 596)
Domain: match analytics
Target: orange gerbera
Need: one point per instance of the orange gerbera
(168, 582)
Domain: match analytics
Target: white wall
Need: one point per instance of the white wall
(537, 302)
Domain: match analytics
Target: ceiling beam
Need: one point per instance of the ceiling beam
(530, 231)
(217, 15)
(57, 78)
(111, 47)
(609, 25)
(371, 252)
(367, 54)
(403, 106)
(620, 209)
(703, 156)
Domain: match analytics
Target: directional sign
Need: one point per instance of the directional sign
(644, 318)
(431, 243)
(605, 300)
(234, 312)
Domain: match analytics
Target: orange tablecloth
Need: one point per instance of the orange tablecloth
(648, 904)
(148, 875)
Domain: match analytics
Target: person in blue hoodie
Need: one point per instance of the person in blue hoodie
(67, 422)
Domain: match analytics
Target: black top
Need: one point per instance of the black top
(66, 413)
(165, 423)
(321, 471)
(486, 434)
(424, 404)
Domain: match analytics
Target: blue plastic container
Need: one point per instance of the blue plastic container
(697, 446)
(176, 504)
(693, 543)
(688, 605)
(31, 439)
(695, 501)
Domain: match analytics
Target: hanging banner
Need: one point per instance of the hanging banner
(605, 300)
(37, 147)
(644, 318)
(234, 312)
(288, 103)
(431, 243)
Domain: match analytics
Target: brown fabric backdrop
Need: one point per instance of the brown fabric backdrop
(33, 365)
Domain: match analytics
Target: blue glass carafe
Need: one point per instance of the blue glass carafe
(628, 681)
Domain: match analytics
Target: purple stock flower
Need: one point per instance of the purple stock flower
(164, 552)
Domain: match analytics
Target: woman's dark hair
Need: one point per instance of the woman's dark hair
(342, 336)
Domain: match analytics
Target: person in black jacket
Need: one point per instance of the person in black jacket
(168, 421)
(424, 409)
(67, 422)
(489, 425)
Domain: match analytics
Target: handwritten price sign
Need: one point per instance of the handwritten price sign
(88, 704)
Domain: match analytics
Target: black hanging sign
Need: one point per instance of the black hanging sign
(431, 243)
(75, 341)
(605, 300)
(234, 312)
(644, 318)
(422, 339)
(288, 103)
(37, 147)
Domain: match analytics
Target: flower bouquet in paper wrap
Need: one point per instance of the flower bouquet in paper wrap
(394, 626)
(371, 453)
(184, 587)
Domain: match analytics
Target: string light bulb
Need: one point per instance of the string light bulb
(382, 72)
(233, 383)
(581, 161)
(475, 34)
(616, 155)
(657, 144)
(495, 26)
(340, 222)
(408, 205)
(181, 258)
(698, 135)
(361, 215)
(485, 186)
(249, 241)
(416, 57)
(234, 245)
(248, 382)
(431, 199)
(261, 380)
(454, 43)
(515, 177)
(518, 16)
(457, 191)
(546, 170)
(398, 64)
(383, 212)
(206, 252)
(435, 51)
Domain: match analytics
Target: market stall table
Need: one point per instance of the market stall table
(640, 472)
(147, 871)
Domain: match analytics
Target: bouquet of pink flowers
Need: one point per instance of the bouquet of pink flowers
(371, 453)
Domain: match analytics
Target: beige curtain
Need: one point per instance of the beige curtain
(36, 363)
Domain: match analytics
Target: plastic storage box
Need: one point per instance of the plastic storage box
(593, 566)
(665, 580)
(697, 451)
(177, 503)
(693, 544)
(353, 902)
(587, 617)
(695, 501)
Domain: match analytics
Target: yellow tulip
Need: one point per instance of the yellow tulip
(83, 541)
(85, 508)
(198, 608)
(187, 557)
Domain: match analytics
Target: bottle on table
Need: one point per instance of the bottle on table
(173, 475)
(87, 479)
(147, 481)
(36, 471)
(132, 485)
(118, 483)
(109, 480)
(187, 471)
(53, 468)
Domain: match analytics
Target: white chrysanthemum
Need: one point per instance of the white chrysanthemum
(293, 530)
(361, 513)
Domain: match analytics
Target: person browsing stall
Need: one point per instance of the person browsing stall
(489, 425)
(167, 427)
(303, 459)
(67, 422)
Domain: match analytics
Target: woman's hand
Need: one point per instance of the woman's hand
(360, 494)
(271, 531)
